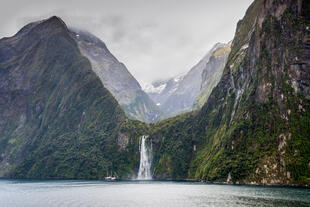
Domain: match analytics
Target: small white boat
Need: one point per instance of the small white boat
(110, 178)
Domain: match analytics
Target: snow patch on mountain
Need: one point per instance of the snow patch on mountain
(178, 78)
(150, 88)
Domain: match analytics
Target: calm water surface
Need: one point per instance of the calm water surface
(148, 193)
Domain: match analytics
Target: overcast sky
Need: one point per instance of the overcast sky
(155, 39)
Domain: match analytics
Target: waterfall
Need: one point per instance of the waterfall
(145, 160)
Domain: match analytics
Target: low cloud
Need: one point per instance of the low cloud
(154, 39)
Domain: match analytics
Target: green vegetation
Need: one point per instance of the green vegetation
(255, 125)
(62, 122)
(254, 128)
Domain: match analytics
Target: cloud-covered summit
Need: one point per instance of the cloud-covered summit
(155, 39)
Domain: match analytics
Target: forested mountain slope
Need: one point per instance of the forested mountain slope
(56, 118)
(255, 126)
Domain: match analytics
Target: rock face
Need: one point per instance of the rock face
(255, 125)
(177, 95)
(212, 73)
(57, 120)
(115, 77)
(257, 100)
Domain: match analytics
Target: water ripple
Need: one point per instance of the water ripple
(148, 193)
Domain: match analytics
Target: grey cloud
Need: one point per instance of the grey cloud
(154, 39)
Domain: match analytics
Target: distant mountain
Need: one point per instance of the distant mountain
(57, 120)
(161, 91)
(178, 94)
(212, 73)
(115, 77)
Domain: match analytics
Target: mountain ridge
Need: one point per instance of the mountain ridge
(116, 77)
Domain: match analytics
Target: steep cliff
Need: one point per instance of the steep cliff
(255, 125)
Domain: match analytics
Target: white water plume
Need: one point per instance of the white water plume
(145, 160)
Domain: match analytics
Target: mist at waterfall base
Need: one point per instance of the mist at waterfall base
(145, 160)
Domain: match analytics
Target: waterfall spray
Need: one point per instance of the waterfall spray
(145, 160)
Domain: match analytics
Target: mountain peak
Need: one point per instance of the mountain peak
(55, 19)
(54, 22)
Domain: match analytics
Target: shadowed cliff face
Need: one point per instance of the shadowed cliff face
(254, 127)
(56, 118)
(116, 78)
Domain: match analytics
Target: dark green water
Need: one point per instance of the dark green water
(148, 193)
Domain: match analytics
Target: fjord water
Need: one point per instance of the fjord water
(145, 160)
(145, 193)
